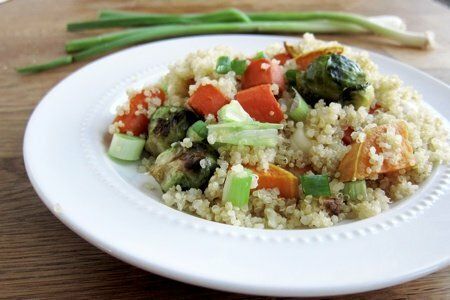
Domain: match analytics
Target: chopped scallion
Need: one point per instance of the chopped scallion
(315, 185)
(237, 187)
(126, 147)
(233, 112)
(299, 109)
(356, 190)
(223, 65)
(239, 66)
(198, 131)
(260, 55)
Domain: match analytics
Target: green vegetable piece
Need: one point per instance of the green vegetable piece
(239, 133)
(233, 112)
(363, 97)
(291, 77)
(61, 61)
(237, 187)
(332, 77)
(260, 55)
(168, 124)
(223, 65)
(239, 66)
(315, 185)
(299, 109)
(198, 131)
(356, 190)
(126, 147)
(188, 167)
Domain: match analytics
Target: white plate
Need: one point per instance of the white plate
(107, 204)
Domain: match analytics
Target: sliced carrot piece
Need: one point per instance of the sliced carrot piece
(276, 177)
(207, 99)
(136, 122)
(355, 165)
(304, 60)
(263, 71)
(260, 103)
(282, 57)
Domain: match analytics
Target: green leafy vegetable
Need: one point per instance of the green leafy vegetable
(188, 167)
(291, 77)
(334, 78)
(168, 124)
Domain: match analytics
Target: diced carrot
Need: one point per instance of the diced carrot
(304, 60)
(282, 57)
(207, 99)
(260, 103)
(355, 165)
(134, 121)
(347, 138)
(276, 177)
(263, 71)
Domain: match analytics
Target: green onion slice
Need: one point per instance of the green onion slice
(356, 190)
(315, 185)
(126, 147)
(198, 131)
(237, 187)
(299, 109)
(260, 55)
(239, 66)
(223, 65)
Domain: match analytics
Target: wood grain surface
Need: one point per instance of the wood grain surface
(39, 257)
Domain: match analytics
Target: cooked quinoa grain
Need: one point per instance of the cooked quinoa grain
(316, 145)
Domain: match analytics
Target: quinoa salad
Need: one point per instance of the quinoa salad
(297, 135)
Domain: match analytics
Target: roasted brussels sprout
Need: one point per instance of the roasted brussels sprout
(335, 78)
(168, 124)
(188, 167)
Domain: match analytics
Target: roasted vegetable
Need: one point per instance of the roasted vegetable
(276, 177)
(335, 78)
(356, 163)
(167, 125)
(188, 167)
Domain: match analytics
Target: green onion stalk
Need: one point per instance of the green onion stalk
(226, 15)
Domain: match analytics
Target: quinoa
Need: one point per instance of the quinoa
(321, 152)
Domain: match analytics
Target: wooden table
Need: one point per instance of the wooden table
(39, 256)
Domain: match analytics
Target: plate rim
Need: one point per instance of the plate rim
(159, 269)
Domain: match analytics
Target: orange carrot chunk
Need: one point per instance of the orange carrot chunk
(207, 99)
(282, 57)
(260, 104)
(304, 60)
(276, 177)
(263, 71)
(135, 121)
(355, 165)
